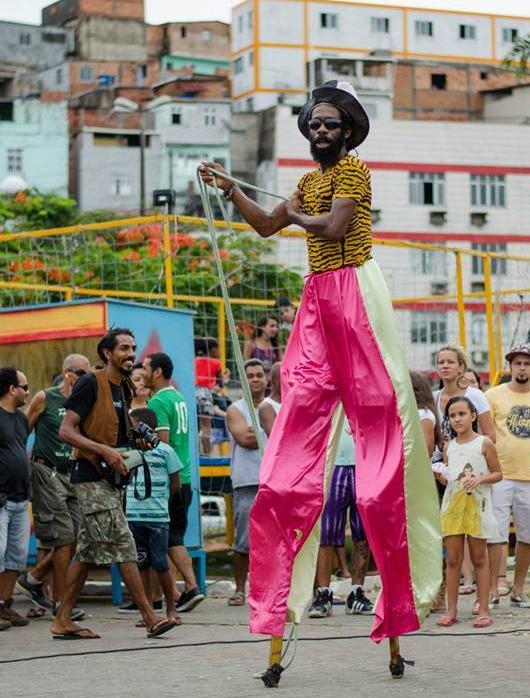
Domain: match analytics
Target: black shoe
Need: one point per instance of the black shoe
(76, 613)
(157, 605)
(33, 592)
(189, 599)
(133, 608)
(358, 604)
(322, 605)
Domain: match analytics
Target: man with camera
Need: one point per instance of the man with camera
(97, 425)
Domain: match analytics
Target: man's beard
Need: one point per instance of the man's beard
(522, 380)
(329, 155)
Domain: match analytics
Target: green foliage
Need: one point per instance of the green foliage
(31, 210)
(517, 58)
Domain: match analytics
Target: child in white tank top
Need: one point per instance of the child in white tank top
(472, 467)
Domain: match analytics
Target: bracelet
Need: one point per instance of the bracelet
(228, 193)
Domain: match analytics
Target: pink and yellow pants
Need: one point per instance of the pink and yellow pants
(344, 353)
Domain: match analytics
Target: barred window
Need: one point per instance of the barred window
(488, 190)
(426, 188)
(428, 328)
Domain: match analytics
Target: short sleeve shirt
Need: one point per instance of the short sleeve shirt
(172, 415)
(511, 416)
(163, 462)
(350, 179)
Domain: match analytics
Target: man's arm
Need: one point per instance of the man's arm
(265, 224)
(174, 484)
(330, 226)
(237, 426)
(35, 409)
(69, 432)
(267, 415)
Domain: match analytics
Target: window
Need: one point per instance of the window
(249, 20)
(423, 28)
(209, 116)
(251, 58)
(24, 39)
(238, 65)
(467, 31)
(240, 24)
(6, 111)
(85, 73)
(250, 104)
(59, 76)
(176, 117)
(380, 25)
(14, 160)
(484, 75)
(438, 81)
(429, 263)
(328, 20)
(183, 32)
(53, 38)
(498, 265)
(488, 190)
(509, 35)
(121, 186)
(428, 328)
(206, 35)
(426, 188)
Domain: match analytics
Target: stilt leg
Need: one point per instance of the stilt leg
(271, 678)
(397, 664)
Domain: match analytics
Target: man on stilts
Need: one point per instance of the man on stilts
(343, 353)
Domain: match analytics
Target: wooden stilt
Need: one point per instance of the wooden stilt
(271, 678)
(397, 665)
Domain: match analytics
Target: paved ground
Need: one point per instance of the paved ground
(213, 656)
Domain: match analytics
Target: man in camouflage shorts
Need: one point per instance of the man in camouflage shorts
(97, 425)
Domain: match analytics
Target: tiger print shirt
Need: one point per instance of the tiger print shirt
(349, 178)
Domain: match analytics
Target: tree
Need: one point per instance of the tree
(517, 58)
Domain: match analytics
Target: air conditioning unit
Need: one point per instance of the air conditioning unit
(376, 215)
(479, 357)
(437, 217)
(478, 218)
(439, 288)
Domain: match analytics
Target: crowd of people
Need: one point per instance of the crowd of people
(109, 480)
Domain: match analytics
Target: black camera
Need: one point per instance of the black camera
(142, 432)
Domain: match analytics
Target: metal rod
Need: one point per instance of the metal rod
(489, 317)
(460, 301)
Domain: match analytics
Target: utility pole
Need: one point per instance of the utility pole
(142, 160)
(170, 156)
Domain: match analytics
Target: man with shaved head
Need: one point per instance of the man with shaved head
(55, 508)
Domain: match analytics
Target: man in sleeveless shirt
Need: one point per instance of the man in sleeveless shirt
(344, 348)
(244, 471)
(54, 504)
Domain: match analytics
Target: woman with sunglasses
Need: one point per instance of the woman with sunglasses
(55, 509)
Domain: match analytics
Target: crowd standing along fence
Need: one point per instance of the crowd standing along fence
(441, 294)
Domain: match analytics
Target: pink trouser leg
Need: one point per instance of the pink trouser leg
(290, 497)
(369, 400)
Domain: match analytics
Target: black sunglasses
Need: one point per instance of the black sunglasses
(25, 387)
(78, 372)
(330, 124)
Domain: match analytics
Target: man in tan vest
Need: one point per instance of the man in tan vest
(97, 424)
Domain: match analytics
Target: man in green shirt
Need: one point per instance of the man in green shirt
(173, 428)
(55, 509)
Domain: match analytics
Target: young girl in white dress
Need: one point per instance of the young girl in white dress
(472, 467)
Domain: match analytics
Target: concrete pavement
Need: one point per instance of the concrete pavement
(212, 655)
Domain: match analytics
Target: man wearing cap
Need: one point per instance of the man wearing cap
(343, 348)
(510, 410)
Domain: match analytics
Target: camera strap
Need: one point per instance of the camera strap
(148, 485)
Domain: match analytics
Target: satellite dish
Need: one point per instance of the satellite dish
(12, 184)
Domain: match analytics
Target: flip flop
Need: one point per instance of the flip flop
(466, 589)
(483, 622)
(77, 634)
(237, 599)
(446, 622)
(161, 626)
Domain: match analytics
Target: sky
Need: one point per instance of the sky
(158, 11)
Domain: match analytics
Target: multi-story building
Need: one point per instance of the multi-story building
(441, 59)
(34, 143)
(450, 184)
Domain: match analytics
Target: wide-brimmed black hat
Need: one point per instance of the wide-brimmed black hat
(343, 96)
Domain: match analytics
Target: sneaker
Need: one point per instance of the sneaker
(322, 605)
(521, 601)
(357, 604)
(33, 592)
(4, 624)
(7, 612)
(189, 599)
(76, 613)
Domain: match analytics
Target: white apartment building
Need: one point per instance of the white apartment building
(273, 41)
(452, 184)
